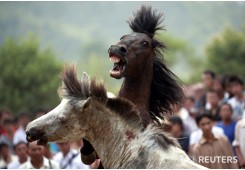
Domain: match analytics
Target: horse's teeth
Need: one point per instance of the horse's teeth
(114, 59)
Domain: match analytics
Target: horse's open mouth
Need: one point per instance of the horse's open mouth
(119, 66)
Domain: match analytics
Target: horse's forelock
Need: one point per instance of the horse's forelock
(146, 21)
(71, 86)
(98, 90)
(82, 89)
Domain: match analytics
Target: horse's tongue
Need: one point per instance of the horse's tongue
(116, 70)
(116, 67)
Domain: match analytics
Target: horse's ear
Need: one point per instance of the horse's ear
(85, 85)
(85, 77)
(86, 103)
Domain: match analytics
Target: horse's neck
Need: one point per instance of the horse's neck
(138, 91)
(109, 133)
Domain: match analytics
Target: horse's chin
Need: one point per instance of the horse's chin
(120, 64)
(118, 71)
(116, 74)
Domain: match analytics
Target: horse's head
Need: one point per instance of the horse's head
(134, 52)
(55, 125)
(69, 120)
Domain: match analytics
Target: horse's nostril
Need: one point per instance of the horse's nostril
(28, 136)
(33, 134)
(122, 49)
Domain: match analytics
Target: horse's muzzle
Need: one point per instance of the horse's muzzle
(120, 50)
(35, 134)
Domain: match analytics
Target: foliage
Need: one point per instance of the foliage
(29, 76)
(65, 25)
(226, 53)
(181, 58)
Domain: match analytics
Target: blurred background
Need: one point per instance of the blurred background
(38, 38)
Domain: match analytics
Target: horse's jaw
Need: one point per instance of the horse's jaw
(119, 67)
(58, 125)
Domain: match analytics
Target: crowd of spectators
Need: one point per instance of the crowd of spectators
(210, 126)
(17, 153)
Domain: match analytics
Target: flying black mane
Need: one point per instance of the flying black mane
(146, 21)
(166, 91)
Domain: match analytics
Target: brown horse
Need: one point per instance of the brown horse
(137, 57)
(112, 126)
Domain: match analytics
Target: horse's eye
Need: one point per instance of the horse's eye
(122, 37)
(145, 44)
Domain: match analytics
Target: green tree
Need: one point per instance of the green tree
(226, 53)
(181, 58)
(29, 76)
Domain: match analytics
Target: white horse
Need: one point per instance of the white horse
(112, 126)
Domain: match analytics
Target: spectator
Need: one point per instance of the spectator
(37, 160)
(197, 135)
(21, 151)
(188, 113)
(239, 142)
(212, 104)
(20, 134)
(220, 87)
(238, 100)
(212, 146)
(47, 152)
(177, 129)
(208, 79)
(5, 114)
(5, 156)
(76, 144)
(227, 124)
(69, 158)
(225, 84)
(7, 137)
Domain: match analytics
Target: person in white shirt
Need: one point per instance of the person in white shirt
(5, 155)
(238, 100)
(188, 113)
(20, 134)
(21, 152)
(69, 158)
(37, 160)
(239, 142)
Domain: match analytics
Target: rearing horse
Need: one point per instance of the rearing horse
(137, 57)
